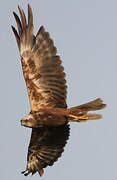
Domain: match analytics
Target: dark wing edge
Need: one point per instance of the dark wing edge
(46, 146)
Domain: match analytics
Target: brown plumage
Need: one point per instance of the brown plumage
(46, 85)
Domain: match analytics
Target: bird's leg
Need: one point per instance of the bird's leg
(78, 118)
(84, 118)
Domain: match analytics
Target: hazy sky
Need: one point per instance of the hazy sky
(85, 33)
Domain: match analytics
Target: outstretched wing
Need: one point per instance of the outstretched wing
(42, 69)
(46, 146)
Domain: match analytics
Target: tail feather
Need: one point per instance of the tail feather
(96, 104)
(93, 116)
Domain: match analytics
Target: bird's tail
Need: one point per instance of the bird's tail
(80, 113)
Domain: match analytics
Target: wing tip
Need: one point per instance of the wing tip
(30, 15)
(41, 171)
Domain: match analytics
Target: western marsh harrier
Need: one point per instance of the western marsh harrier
(46, 85)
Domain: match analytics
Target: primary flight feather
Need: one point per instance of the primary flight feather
(46, 85)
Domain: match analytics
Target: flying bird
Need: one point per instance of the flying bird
(49, 116)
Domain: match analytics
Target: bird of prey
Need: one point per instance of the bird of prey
(49, 116)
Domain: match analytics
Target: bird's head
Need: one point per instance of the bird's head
(28, 121)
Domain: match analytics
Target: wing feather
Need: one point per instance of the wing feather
(46, 146)
(19, 25)
(42, 69)
(23, 17)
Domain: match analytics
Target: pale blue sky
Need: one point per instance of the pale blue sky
(85, 33)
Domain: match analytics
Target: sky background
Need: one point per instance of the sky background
(85, 33)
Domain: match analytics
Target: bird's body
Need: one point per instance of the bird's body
(46, 85)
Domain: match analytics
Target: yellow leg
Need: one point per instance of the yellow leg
(85, 117)
(78, 118)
